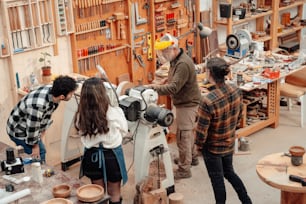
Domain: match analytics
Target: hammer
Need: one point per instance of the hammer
(298, 179)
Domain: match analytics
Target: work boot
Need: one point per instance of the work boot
(118, 202)
(181, 174)
(195, 161)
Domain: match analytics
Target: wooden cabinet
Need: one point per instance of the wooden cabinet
(28, 25)
(64, 17)
(263, 16)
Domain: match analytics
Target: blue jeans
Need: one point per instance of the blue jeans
(220, 167)
(28, 148)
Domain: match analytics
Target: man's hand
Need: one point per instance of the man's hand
(35, 152)
(150, 86)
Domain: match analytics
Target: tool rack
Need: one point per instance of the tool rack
(64, 17)
(28, 25)
(119, 35)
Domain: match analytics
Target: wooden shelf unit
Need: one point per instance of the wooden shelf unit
(272, 98)
(298, 5)
(64, 17)
(28, 25)
(271, 41)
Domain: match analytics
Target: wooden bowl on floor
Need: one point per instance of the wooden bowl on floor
(58, 201)
(90, 193)
(61, 191)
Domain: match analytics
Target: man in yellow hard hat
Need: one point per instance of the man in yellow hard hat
(183, 89)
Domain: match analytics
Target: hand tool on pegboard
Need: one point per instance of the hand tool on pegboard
(42, 19)
(149, 43)
(139, 59)
(47, 19)
(118, 17)
(193, 30)
(12, 25)
(34, 20)
(147, 7)
(27, 22)
(189, 47)
(134, 22)
(18, 27)
(138, 18)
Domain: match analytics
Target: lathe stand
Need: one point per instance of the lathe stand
(151, 141)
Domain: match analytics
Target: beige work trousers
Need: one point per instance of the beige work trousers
(186, 121)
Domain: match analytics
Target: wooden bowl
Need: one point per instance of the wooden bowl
(90, 193)
(297, 151)
(61, 191)
(58, 201)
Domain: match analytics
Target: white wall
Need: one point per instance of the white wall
(24, 64)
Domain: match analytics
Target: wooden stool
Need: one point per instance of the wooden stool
(176, 198)
(290, 91)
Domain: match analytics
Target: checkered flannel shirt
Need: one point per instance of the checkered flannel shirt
(219, 112)
(32, 115)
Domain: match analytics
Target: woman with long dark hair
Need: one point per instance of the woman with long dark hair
(101, 127)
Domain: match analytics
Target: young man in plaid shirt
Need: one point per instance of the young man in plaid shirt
(31, 117)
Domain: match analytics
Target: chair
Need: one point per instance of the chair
(290, 91)
(297, 78)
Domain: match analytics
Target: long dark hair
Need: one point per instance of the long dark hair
(91, 114)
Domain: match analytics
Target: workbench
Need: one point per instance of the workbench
(41, 192)
(272, 100)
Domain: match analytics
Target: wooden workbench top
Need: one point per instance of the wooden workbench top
(274, 169)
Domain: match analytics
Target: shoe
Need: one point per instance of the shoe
(195, 162)
(179, 174)
(283, 103)
(176, 160)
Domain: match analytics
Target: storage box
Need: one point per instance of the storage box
(271, 74)
(225, 10)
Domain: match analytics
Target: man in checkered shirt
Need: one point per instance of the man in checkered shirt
(31, 117)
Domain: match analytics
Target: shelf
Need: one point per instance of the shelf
(263, 39)
(293, 5)
(91, 30)
(105, 52)
(241, 21)
(289, 31)
(4, 56)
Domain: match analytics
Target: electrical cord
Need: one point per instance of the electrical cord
(133, 139)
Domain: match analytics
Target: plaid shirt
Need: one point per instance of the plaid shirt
(31, 116)
(219, 112)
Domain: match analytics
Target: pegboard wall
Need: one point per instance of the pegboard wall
(119, 35)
